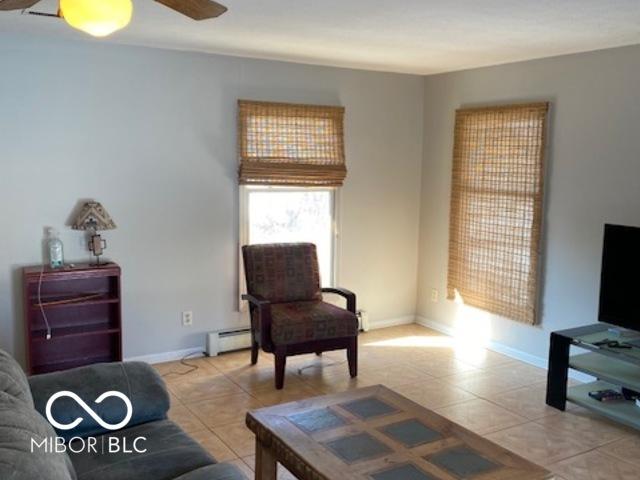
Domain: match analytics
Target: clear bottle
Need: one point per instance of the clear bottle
(56, 250)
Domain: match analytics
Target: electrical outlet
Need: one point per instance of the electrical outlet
(434, 295)
(187, 319)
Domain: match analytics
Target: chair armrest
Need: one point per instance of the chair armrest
(263, 307)
(349, 295)
(142, 385)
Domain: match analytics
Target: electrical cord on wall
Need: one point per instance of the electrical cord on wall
(44, 315)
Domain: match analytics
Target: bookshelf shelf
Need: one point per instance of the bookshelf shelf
(82, 307)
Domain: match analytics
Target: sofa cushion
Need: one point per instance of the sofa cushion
(169, 453)
(20, 459)
(142, 385)
(13, 381)
(282, 272)
(300, 322)
(219, 471)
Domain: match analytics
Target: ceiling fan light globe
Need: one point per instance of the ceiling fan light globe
(98, 18)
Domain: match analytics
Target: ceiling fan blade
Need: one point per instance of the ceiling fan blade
(17, 4)
(196, 9)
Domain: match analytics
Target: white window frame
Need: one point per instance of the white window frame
(244, 229)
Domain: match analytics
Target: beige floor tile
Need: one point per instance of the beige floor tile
(173, 400)
(214, 445)
(393, 375)
(497, 380)
(596, 466)
(592, 429)
(211, 402)
(203, 387)
(185, 418)
(252, 378)
(226, 362)
(434, 394)
(326, 367)
(526, 401)
(238, 437)
(290, 393)
(481, 416)
(250, 461)
(482, 358)
(327, 385)
(627, 449)
(438, 367)
(172, 372)
(539, 444)
(220, 411)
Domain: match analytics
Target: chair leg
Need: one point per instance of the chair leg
(319, 354)
(281, 362)
(352, 357)
(255, 348)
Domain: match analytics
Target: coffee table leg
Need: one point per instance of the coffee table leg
(266, 466)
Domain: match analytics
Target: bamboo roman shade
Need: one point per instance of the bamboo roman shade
(496, 209)
(290, 144)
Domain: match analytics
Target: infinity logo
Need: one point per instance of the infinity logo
(88, 409)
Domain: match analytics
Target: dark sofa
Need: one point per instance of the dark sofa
(148, 447)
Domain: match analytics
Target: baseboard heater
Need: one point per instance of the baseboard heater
(228, 340)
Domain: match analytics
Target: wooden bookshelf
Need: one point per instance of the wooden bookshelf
(83, 307)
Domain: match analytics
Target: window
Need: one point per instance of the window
(281, 214)
(496, 209)
(291, 161)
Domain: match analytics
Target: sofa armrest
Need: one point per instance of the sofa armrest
(138, 381)
(347, 294)
(263, 307)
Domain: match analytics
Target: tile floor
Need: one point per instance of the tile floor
(491, 394)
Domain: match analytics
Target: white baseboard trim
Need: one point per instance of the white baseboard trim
(393, 322)
(503, 349)
(197, 351)
(168, 356)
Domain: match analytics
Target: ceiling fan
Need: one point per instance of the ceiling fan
(103, 17)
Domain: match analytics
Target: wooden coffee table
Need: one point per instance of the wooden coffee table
(376, 434)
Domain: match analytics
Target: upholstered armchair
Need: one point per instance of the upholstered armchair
(288, 314)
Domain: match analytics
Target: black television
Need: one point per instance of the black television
(620, 277)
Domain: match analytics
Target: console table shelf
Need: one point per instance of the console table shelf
(625, 412)
(613, 367)
(81, 306)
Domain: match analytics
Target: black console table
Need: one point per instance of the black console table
(613, 367)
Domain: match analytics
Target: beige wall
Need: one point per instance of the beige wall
(593, 177)
(151, 134)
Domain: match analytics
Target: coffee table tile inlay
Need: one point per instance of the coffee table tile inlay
(374, 433)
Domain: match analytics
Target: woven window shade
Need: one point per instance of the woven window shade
(289, 144)
(496, 209)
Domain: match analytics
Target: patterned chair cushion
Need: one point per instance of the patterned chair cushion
(282, 272)
(300, 322)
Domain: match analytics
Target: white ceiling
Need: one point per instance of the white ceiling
(411, 36)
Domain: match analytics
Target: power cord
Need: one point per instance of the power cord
(44, 315)
(183, 361)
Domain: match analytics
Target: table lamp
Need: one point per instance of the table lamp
(93, 217)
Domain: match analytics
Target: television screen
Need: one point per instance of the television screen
(620, 278)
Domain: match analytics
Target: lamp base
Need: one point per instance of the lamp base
(96, 246)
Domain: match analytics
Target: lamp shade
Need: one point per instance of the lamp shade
(97, 17)
(93, 216)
